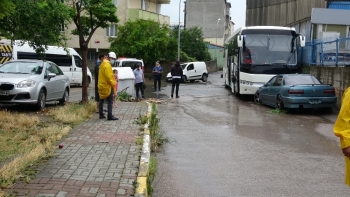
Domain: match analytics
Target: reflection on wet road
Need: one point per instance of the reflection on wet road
(224, 146)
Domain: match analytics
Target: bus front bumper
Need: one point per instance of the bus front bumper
(250, 88)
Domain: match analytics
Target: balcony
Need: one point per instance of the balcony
(163, 1)
(134, 14)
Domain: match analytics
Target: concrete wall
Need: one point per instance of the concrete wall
(338, 76)
(280, 12)
(205, 14)
(219, 54)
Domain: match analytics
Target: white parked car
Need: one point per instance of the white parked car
(32, 82)
(192, 71)
(129, 62)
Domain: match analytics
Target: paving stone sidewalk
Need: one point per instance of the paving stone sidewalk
(99, 158)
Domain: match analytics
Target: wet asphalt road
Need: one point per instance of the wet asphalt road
(223, 146)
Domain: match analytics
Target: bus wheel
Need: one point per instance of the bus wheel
(279, 102)
(257, 98)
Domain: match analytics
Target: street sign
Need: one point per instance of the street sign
(5, 53)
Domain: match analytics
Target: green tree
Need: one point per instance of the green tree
(144, 39)
(6, 6)
(89, 15)
(192, 43)
(37, 22)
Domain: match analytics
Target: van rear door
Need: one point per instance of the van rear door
(77, 70)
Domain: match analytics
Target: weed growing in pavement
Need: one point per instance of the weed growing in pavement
(123, 96)
(156, 138)
(152, 174)
(278, 111)
(139, 140)
(141, 120)
(26, 138)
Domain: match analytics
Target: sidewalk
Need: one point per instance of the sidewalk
(99, 158)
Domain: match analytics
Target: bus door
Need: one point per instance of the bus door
(229, 71)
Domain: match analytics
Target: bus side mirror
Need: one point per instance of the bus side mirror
(240, 40)
(302, 41)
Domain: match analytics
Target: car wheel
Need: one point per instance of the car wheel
(89, 81)
(204, 77)
(257, 98)
(279, 102)
(41, 100)
(183, 79)
(65, 97)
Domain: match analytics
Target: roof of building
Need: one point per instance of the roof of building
(330, 16)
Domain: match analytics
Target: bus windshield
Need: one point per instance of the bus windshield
(269, 49)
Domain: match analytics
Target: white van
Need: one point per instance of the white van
(192, 71)
(128, 62)
(71, 64)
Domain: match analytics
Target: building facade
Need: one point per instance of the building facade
(213, 16)
(126, 10)
(291, 13)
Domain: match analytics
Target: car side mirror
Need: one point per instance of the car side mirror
(51, 75)
(265, 84)
(240, 41)
(302, 41)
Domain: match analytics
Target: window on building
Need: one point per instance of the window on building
(92, 55)
(111, 31)
(144, 5)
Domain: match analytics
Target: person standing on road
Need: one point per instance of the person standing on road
(139, 80)
(101, 57)
(157, 75)
(176, 73)
(342, 130)
(106, 86)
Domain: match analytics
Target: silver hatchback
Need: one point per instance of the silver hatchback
(32, 82)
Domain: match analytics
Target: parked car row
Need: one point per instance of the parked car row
(296, 91)
(32, 82)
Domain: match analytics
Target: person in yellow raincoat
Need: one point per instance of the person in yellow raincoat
(342, 130)
(106, 86)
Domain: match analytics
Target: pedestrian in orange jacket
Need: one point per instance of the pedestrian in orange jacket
(342, 130)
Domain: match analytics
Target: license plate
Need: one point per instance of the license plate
(314, 102)
(4, 93)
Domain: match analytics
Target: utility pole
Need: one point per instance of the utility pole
(178, 45)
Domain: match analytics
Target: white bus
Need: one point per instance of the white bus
(71, 65)
(253, 55)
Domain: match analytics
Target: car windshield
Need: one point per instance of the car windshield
(300, 80)
(22, 68)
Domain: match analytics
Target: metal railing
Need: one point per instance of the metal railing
(326, 52)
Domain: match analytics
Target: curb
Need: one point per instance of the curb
(141, 185)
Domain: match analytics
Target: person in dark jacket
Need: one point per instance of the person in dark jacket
(176, 73)
(101, 57)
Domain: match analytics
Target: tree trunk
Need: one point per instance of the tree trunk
(84, 52)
